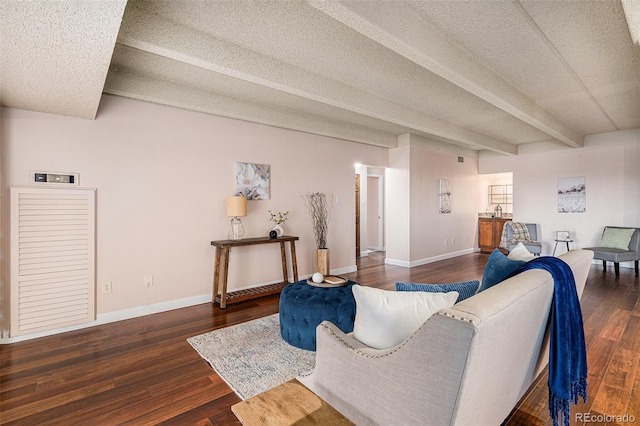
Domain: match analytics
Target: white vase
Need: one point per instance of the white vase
(279, 230)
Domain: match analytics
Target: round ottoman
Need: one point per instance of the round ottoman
(303, 307)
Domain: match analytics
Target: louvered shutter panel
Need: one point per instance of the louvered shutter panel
(52, 258)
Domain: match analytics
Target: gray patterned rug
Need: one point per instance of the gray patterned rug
(252, 357)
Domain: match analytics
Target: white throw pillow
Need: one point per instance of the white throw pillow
(520, 252)
(386, 318)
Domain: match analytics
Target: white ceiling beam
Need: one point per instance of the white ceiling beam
(632, 13)
(131, 84)
(164, 38)
(54, 56)
(402, 30)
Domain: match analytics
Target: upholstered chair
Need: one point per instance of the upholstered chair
(533, 245)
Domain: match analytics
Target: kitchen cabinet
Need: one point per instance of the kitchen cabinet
(489, 233)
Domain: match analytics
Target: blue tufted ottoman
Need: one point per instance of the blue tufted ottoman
(303, 307)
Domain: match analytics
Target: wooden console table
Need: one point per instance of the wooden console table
(288, 404)
(221, 270)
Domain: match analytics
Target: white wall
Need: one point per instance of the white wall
(612, 180)
(424, 235)
(445, 233)
(398, 204)
(162, 175)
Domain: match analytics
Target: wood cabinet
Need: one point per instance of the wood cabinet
(489, 233)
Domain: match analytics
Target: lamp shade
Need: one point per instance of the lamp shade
(236, 206)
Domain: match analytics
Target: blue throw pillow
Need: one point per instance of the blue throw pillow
(498, 268)
(465, 289)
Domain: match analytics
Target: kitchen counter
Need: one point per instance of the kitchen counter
(507, 216)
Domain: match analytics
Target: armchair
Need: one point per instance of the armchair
(609, 252)
(512, 238)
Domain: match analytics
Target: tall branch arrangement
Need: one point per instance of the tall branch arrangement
(320, 210)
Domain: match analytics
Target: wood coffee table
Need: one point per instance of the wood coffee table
(287, 404)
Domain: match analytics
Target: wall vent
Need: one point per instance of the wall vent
(460, 159)
(52, 258)
(54, 178)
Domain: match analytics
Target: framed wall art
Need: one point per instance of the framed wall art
(572, 195)
(445, 196)
(253, 181)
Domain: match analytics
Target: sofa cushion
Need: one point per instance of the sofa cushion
(618, 238)
(466, 289)
(386, 318)
(520, 252)
(497, 269)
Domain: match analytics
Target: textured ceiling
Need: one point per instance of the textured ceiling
(483, 75)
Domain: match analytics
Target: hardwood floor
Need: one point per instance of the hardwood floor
(142, 371)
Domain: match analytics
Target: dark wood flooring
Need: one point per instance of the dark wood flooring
(142, 371)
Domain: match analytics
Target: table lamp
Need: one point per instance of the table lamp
(236, 208)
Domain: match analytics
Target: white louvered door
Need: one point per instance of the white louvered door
(52, 258)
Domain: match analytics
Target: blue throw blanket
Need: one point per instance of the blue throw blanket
(567, 349)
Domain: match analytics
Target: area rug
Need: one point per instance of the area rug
(252, 357)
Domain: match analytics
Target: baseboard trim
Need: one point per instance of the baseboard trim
(396, 262)
(116, 316)
(425, 261)
(140, 311)
(345, 270)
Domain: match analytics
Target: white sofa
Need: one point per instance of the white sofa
(468, 365)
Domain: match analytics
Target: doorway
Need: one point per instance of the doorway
(369, 209)
(375, 195)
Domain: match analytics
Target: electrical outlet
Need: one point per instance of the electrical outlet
(453, 241)
(106, 288)
(148, 280)
(446, 242)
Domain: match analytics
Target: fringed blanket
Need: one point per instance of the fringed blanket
(567, 349)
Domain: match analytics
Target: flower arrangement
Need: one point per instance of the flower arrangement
(278, 218)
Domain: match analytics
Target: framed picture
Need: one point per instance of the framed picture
(253, 181)
(444, 196)
(572, 195)
(562, 235)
